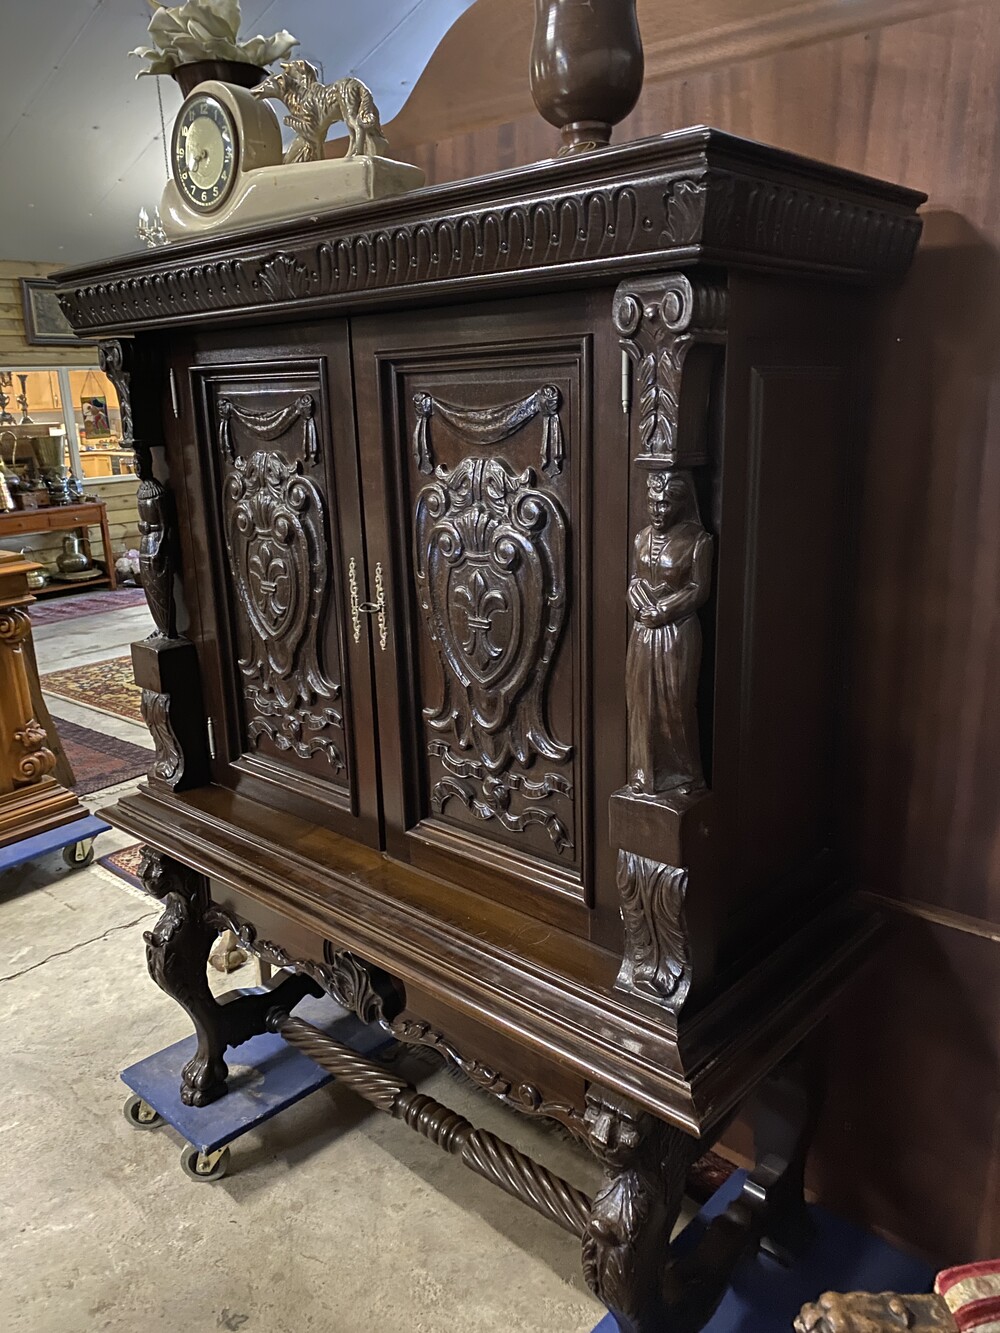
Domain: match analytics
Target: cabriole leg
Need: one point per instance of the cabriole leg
(177, 950)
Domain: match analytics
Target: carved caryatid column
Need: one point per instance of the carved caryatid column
(31, 801)
(166, 663)
(668, 329)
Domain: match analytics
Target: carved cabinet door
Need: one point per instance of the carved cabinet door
(494, 458)
(287, 647)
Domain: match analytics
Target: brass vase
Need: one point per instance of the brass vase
(586, 68)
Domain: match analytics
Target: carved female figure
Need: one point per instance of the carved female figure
(672, 569)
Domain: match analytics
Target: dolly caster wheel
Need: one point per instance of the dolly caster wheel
(140, 1114)
(205, 1166)
(79, 854)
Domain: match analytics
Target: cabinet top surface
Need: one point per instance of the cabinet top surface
(691, 196)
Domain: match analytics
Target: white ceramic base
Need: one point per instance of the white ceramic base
(300, 189)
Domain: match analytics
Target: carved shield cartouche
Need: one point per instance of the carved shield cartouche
(274, 531)
(491, 577)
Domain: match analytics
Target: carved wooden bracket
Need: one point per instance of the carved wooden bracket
(489, 425)
(360, 987)
(167, 672)
(658, 321)
(656, 962)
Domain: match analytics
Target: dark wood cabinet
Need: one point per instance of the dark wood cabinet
(501, 542)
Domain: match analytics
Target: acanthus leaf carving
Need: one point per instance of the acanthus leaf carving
(656, 960)
(284, 278)
(658, 321)
(168, 763)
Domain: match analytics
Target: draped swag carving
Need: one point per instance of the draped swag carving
(271, 425)
(490, 425)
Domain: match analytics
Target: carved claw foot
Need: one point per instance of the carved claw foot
(177, 950)
(865, 1312)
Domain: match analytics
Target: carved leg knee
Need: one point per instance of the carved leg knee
(625, 1245)
(177, 951)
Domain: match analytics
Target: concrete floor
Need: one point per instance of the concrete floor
(332, 1218)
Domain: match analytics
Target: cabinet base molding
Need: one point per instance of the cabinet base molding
(36, 809)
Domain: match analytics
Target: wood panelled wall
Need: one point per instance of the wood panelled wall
(15, 352)
(905, 89)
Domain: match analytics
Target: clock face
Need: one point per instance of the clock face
(204, 152)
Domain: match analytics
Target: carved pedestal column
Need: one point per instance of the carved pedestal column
(165, 664)
(670, 329)
(31, 801)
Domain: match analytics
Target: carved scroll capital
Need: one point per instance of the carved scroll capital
(658, 321)
(656, 960)
(15, 625)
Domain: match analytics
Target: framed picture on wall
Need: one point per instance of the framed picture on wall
(45, 325)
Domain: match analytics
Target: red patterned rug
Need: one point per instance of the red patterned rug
(125, 864)
(54, 609)
(100, 761)
(108, 686)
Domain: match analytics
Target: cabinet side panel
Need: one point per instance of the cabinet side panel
(797, 546)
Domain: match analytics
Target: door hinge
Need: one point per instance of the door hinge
(210, 733)
(626, 383)
(174, 396)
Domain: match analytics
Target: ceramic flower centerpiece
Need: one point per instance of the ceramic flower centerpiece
(200, 40)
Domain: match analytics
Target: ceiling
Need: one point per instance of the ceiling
(80, 139)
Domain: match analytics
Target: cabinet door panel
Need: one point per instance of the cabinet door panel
(481, 474)
(281, 500)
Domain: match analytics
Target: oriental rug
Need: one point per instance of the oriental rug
(107, 686)
(125, 864)
(56, 609)
(97, 760)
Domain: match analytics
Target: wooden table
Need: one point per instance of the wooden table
(64, 518)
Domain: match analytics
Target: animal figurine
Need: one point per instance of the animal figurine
(313, 107)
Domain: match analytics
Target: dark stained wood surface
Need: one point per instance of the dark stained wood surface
(491, 458)
(907, 89)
